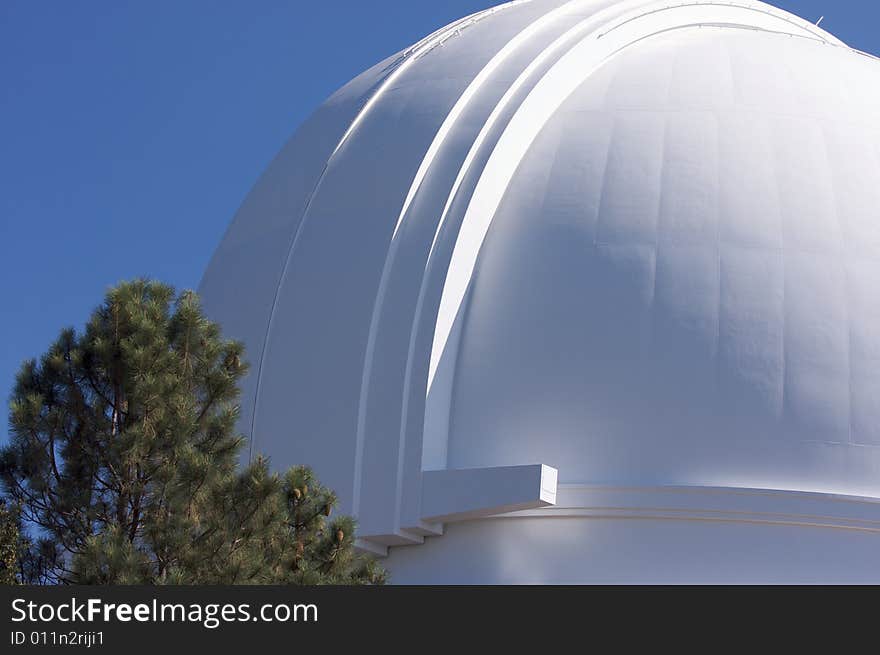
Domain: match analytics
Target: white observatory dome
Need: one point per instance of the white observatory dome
(589, 288)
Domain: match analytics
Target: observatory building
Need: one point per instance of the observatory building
(580, 291)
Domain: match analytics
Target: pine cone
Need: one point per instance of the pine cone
(340, 535)
(233, 362)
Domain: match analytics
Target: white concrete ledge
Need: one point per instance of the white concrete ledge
(371, 547)
(463, 494)
(531, 491)
(728, 504)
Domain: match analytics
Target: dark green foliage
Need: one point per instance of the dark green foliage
(124, 458)
(9, 545)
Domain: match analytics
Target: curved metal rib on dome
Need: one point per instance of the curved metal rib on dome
(407, 58)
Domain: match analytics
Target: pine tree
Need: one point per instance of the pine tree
(9, 545)
(125, 461)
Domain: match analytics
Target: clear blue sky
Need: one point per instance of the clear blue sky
(130, 131)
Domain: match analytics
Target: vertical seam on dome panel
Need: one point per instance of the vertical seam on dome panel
(604, 181)
(783, 260)
(604, 186)
(652, 301)
(652, 307)
(844, 239)
(875, 150)
(719, 148)
(719, 246)
(283, 274)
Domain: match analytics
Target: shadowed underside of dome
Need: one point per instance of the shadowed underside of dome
(638, 242)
